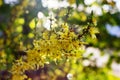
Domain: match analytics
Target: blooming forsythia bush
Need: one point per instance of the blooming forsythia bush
(55, 45)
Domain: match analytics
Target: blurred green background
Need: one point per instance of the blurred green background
(22, 20)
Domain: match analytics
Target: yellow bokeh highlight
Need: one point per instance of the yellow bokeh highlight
(19, 29)
(20, 21)
(32, 24)
(71, 1)
(76, 16)
(1, 2)
(30, 35)
(83, 16)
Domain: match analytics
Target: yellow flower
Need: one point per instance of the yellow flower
(20, 77)
(53, 36)
(51, 47)
(65, 27)
(93, 31)
(46, 35)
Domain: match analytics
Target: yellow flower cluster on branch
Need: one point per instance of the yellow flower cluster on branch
(53, 46)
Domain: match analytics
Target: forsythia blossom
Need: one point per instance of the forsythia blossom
(57, 45)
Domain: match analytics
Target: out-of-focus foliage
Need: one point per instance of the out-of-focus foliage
(37, 32)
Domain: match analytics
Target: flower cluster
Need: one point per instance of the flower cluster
(55, 45)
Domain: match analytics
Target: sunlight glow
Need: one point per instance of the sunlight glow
(40, 15)
(12, 2)
(113, 30)
(55, 4)
(69, 76)
(95, 8)
(106, 7)
(89, 2)
(116, 68)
